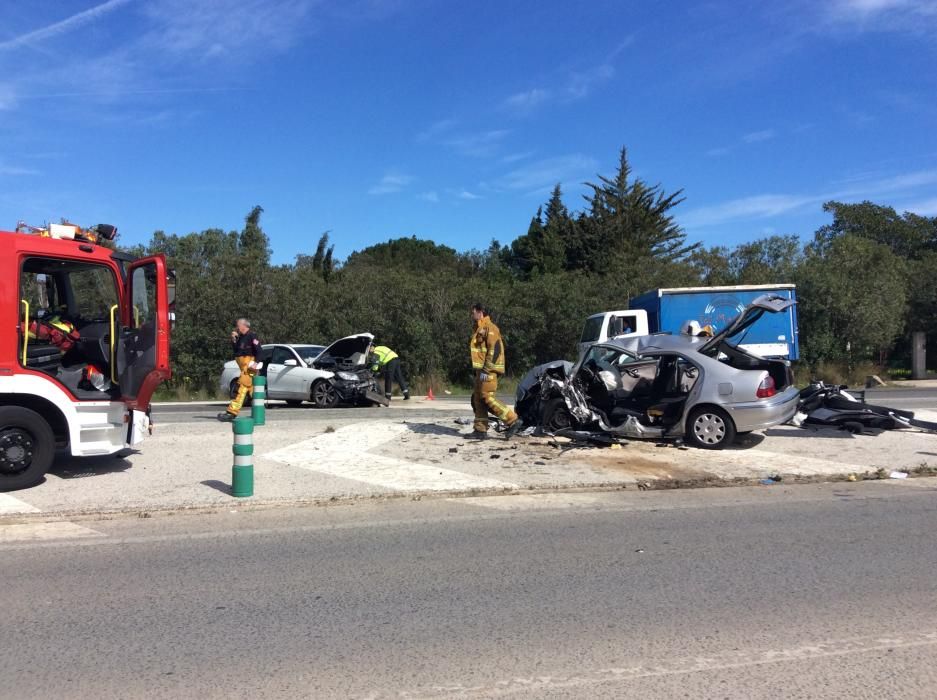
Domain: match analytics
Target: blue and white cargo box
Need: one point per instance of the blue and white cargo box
(773, 335)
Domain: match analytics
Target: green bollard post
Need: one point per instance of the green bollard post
(259, 400)
(242, 473)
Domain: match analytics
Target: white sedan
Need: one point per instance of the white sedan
(325, 376)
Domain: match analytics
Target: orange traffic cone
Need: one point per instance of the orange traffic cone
(429, 395)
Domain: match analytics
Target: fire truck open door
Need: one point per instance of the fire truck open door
(141, 352)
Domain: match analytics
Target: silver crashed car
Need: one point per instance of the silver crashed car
(707, 390)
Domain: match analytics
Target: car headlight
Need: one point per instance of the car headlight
(347, 376)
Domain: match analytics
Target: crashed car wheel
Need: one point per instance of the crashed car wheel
(324, 394)
(556, 416)
(709, 428)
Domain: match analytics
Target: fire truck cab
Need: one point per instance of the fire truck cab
(90, 393)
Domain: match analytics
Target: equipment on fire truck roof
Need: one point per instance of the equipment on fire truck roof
(68, 231)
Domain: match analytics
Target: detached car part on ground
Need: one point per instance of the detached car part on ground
(833, 406)
(328, 377)
(707, 390)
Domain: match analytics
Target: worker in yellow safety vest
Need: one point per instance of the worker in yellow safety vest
(385, 361)
(487, 351)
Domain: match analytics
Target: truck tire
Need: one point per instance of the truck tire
(709, 428)
(27, 447)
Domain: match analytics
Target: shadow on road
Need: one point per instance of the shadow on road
(747, 442)
(81, 467)
(810, 433)
(218, 486)
(433, 429)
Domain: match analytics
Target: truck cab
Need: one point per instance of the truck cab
(604, 326)
(84, 346)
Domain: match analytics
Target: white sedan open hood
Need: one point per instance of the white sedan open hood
(352, 347)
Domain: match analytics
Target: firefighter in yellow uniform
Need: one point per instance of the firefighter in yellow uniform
(246, 348)
(487, 349)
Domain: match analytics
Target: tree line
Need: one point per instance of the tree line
(865, 281)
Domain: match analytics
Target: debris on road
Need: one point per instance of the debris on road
(898, 475)
(834, 406)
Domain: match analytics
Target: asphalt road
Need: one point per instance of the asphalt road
(278, 410)
(908, 399)
(795, 592)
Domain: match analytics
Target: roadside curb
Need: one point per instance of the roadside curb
(252, 504)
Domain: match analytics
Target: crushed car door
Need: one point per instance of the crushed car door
(141, 352)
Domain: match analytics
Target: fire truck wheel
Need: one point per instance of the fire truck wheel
(27, 447)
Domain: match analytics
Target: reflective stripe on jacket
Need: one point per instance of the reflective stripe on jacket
(487, 347)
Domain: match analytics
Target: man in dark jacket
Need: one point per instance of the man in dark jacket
(246, 348)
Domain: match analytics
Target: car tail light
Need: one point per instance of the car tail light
(766, 388)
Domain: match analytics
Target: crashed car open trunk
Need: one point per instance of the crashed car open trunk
(725, 344)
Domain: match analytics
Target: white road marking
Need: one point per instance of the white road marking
(38, 532)
(651, 668)
(9, 504)
(348, 453)
(534, 501)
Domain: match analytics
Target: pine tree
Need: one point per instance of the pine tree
(252, 240)
(319, 258)
(633, 219)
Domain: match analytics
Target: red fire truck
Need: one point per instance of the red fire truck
(85, 343)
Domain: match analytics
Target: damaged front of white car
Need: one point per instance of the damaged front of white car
(706, 390)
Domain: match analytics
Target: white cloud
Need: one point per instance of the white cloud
(764, 206)
(12, 170)
(430, 196)
(391, 183)
(760, 206)
(206, 30)
(523, 102)
(80, 19)
(545, 173)
(465, 194)
(582, 83)
(516, 157)
(7, 97)
(911, 16)
(436, 130)
(759, 136)
(717, 152)
(927, 207)
(481, 144)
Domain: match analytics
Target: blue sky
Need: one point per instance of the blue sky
(452, 121)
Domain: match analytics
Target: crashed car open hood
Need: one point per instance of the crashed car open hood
(348, 347)
(772, 303)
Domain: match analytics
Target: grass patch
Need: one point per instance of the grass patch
(182, 392)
